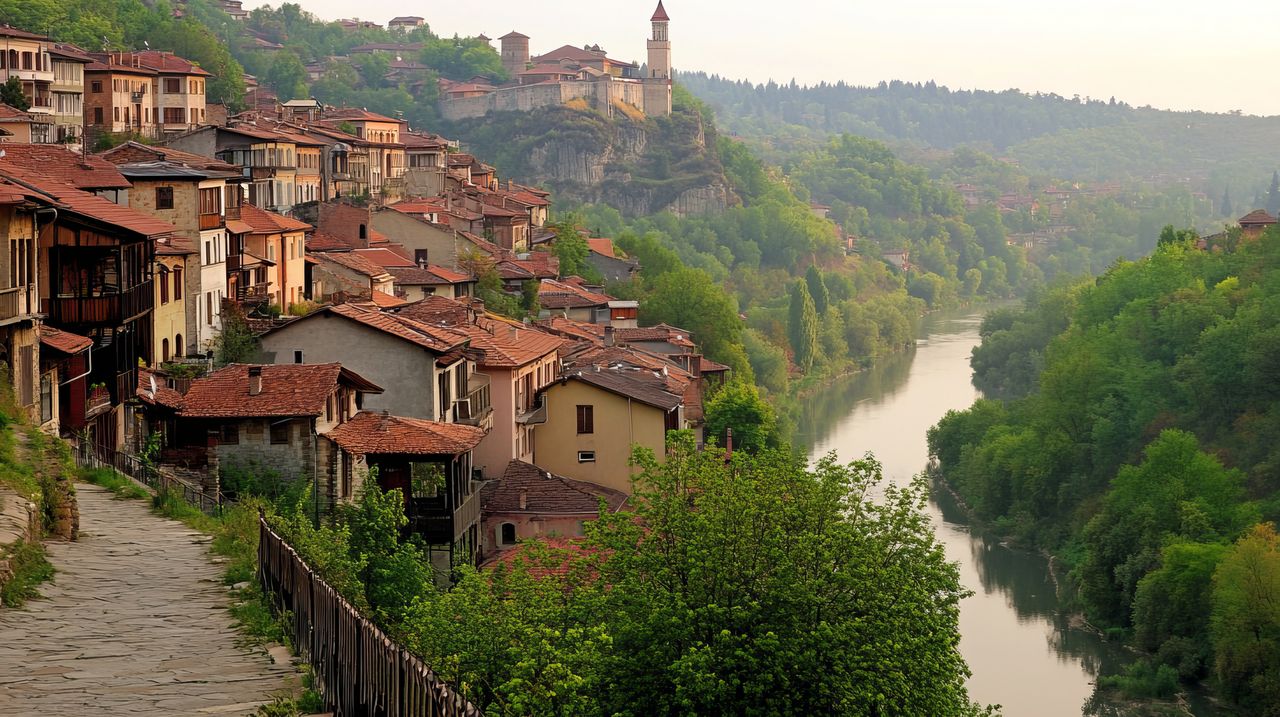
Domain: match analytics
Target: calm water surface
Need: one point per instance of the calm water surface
(1023, 653)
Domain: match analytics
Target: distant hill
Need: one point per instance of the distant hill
(1073, 138)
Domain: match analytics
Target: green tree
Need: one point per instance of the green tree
(572, 250)
(11, 94)
(738, 406)
(1224, 207)
(817, 289)
(1246, 621)
(802, 326)
(768, 362)
(691, 299)
(287, 75)
(235, 343)
(1273, 195)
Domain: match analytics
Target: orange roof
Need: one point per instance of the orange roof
(386, 256)
(601, 246)
(433, 338)
(383, 300)
(264, 222)
(57, 163)
(554, 294)
(544, 492)
(369, 433)
(1257, 217)
(64, 341)
(155, 390)
(660, 15)
(287, 390)
(163, 62)
(569, 328)
(560, 555)
(428, 276)
(13, 114)
(355, 263)
(505, 345)
(90, 206)
(131, 151)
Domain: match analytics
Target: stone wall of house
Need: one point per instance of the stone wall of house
(295, 460)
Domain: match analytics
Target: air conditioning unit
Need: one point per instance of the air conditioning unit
(462, 409)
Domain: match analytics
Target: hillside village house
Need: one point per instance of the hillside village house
(69, 62)
(273, 418)
(430, 464)
(149, 92)
(197, 195)
(267, 259)
(428, 365)
(268, 158)
(607, 400)
(169, 330)
(417, 283)
(25, 55)
(528, 502)
(20, 212)
(381, 134)
(350, 274)
(21, 127)
(64, 357)
(516, 362)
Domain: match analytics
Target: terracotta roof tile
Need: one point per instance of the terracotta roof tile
(131, 152)
(567, 295)
(383, 300)
(661, 332)
(433, 338)
(154, 389)
(660, 15)
(63, 341)
(13, 114)
(428, 276)
(52, 162)
(91, 206)
(388, 256)
(287, 390)
(354, 262)
(1257, 216)
(438, 311)
(545, 493)
(578, 330)
(503, 345)
(369, 433)
(265, 222)
(542, 557)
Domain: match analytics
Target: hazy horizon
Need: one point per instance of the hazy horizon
(1169, 54)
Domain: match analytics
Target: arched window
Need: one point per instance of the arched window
(164, 350)
(178, 348)
(508, 533)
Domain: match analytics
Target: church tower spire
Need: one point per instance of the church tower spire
(657, 84)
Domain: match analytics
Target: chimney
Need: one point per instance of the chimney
(728, 444)
(255, 380)
(608, 336)
(524, 499)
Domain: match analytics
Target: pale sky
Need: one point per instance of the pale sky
(1173, 54)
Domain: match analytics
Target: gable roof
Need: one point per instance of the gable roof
(288, 390)
(634, 383)
(76, 202)
(131, 152)
(369, 433)
(546, 493)
(1256, 217)
(438, 311)
(57, 163)
(354, 262)
(438, 340)
(429, 275)
(63, 341)
(503, 345)
(13, 114)
(154, 390)
(262, 221)
(564, 294)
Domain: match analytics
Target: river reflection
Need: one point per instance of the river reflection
(1023, 650)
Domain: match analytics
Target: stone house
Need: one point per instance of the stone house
(198, 195)
(272, 419)
(417, 283)
(64, 359)
(380, 135)
(411, 225)
(349, 273)
(20, 213)
(269, 159)
(428, 366)
(571, 299)
(528, 502)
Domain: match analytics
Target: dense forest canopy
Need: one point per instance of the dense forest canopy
(1133, 427)
(1073, 138)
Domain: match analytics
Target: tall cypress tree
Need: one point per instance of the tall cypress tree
(1226, 202)
(1273, 195)
(802, 325)
(817, 289)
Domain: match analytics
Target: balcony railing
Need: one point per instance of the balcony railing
(210, 221)
(103, 309)
(473, 409)
(9, 304)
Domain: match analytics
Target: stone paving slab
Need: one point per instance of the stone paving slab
(135, 623)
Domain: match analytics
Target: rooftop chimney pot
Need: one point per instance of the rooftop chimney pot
(255, 380)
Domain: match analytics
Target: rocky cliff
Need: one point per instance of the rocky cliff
(639, 167)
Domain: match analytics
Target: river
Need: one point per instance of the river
(1021, 647)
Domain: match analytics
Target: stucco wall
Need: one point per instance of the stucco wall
(619, 425)
(441, 244)
(404, 370)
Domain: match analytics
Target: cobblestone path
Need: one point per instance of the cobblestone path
(134, 623)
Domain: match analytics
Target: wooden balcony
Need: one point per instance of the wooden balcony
(10, 306)
(106, 309)
(210, 221)
(439, 526)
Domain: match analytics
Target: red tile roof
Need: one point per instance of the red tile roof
(660, 15)
(383, 300)
(388, 256)
(504, 345)
(579, 330)
(59, 164)
(8, 30)
(542, 557)
(174, 245)
(546, 493)
(287, 390)
(661, 332)
(13, 114)
(158, 61)
(1257, 217)
(63, 341)
(429, 276)
(154, 389)
(131, 152)
(566, 295)
(369, 433)
(265, 222)
(433, 338)
(324, 241)
(354, 262)
(90, 206)
(602, 246)
(706, 365)
(513, 35)
(438, 311)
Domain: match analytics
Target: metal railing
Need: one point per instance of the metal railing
(358, 669)
(91, 456)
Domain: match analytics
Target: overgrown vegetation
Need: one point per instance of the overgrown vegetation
(1138, 439)
(28, 568)
(727, 587)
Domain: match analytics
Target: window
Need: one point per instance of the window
(586, 456)
(420, 257)
(280, 433)
(46, 393)
(175, 115)
(95, 86)
(442, 387)
(347, 470)
(177, 283)
(164, 285)
(178, 347)
(208, 253)
(172, 85)
(328, 409)
(210, 201)
(297, 356)
(508, 533)
(208, 308)
(164, 350)
(97, 115)
(586, 419)
(230, 434)
(164, 197)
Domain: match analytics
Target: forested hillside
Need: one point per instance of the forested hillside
(1073, 138)
(1139, 439)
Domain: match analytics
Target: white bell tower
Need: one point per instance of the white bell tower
(657, 84)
